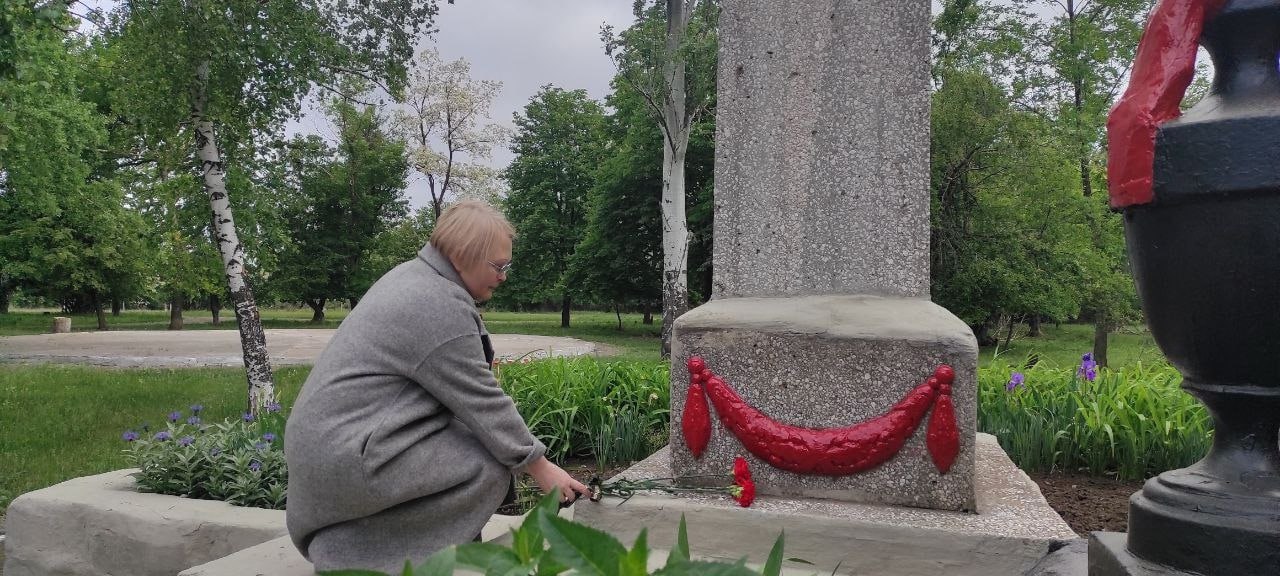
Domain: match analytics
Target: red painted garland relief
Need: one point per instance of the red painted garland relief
(825, 451)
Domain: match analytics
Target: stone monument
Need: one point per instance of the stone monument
(820, 358)
(820, 316)
(1201, 201)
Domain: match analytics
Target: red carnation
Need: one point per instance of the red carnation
(740, 470)
(745, 492)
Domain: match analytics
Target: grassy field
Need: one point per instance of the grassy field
(1061, 347)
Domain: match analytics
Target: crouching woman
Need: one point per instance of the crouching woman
(401, 443)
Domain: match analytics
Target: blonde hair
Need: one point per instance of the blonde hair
(466, 231)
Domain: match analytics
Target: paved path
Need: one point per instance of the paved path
(222, 347)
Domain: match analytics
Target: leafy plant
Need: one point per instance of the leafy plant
(613, 411)
(239, 461)
(1130, 423)
(546, 544)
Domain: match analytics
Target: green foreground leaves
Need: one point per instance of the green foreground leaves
(546, 544)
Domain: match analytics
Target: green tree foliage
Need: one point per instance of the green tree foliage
(1018, 108)
(1086, 47)
(394, 245)
(65, 233)
(342, 200)
(668, 57)
(234, 70)
(558, 144)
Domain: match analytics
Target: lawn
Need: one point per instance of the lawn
(1061, 347)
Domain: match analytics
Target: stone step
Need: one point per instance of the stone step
(1013, 529)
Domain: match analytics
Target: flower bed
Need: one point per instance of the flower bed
(1129, 423)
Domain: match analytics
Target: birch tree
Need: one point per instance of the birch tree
(663, 57)
(446, 123)
(236, 69)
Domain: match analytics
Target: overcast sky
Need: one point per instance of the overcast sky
(524, 44)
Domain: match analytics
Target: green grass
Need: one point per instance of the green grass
(60, 422)
(1061, 347)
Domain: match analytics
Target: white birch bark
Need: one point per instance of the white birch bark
(253, 342)
(675, 227)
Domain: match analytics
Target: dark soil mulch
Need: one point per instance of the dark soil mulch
(1088, 503)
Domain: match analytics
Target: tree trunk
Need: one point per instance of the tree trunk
(648, 318)
(617, 311)
(1008, 335)
(351, 303)
(116, 306)
(317, 310)
(99, 311)
(1100, 333)
(675, 224)
(6, 289)
(253, 341)
(215, 309)
(564, 310)
(1034, 324)
(175, 312)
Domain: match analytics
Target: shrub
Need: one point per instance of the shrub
(239, 461)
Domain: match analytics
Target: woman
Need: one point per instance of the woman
(401, 442)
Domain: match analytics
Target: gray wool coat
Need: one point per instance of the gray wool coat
(401, 443)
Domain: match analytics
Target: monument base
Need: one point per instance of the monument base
(1014, 529)
(831, 361)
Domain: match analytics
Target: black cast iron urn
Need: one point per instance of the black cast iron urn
(1206, 258)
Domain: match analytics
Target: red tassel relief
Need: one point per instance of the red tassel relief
(696, 420)
(943, 437)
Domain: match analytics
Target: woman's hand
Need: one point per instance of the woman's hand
(551, 477)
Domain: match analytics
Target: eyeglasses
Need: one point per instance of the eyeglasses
(499, 268)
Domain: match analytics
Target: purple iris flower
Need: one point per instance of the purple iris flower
(162, 435)
(269, 437)
(1014, 381)
(186, 441)
(1088, 368)
(175, 416)
(255, 465)
(248, 417)
(196, 408)
(273, 407)
(129, 436)
(194, 420)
